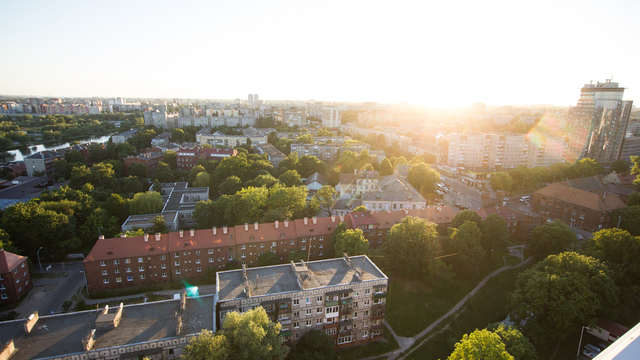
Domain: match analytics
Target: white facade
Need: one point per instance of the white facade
(331, 117)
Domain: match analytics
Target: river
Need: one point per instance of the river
(20, 154)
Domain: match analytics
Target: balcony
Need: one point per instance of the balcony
(285, 333)
(380, 295)
(344, 301)
(285, 321)
(330, 303)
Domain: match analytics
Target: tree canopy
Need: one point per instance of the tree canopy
(465, 215)
(560, 294)
(480, 344)
(351, 242)
(314, 345)
(494, 233)
(550, 238)
(411, 245)
(423, 178)
(146, 203)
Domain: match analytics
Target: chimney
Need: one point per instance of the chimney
(181, 231)
(224, 230)
(215, 231)
(158, 236)
(146, 237)
(246, 226)
(305, 220)
(333, 218)
(192, 232)
(345, 257)
(123, 235)
(286, 223)
(315, 220)
(276, 224)
(255, 225)
(100, 237)
(341, 218)
(355, 172)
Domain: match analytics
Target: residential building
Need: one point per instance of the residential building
(161, 139)
(360, 182)
(586, 210)
(161, 119)
(123, 136)
(315, 181)
(23, 189)
(598, 124)
(218, 138)
(330, 117)
(344, 298)
(293, 117)
(327, 152)
(468, 150)
(421, 147)
(630, 147)
(273, 154)
(179, 203)
(150, 160)
(392, 193)
(15, 278)
(42, 162)
(188, 157)
(544, 150)
(506, 151)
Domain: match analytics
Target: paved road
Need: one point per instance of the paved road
(65, 288)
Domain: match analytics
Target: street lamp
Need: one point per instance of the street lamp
(619, 219)
(522, 191)
(38, 254)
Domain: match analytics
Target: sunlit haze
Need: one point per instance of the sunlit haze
(438, 54)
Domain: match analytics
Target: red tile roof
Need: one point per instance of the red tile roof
(118, 248)
(9, 261)
(202, 239)
(356, 219)
(323, 226)
(265, 232)
(582, 198)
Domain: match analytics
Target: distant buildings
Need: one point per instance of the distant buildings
(187, 157)
(219, 138)
(15, 277)
(123, 136)
(330, 117)
(273, 154)
(42, 162)
(328, 152)
(149, 160)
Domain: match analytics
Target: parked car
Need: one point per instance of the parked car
(590, 354)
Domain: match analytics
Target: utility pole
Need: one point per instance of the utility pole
(39, 263)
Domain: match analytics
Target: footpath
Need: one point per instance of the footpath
(406, 342)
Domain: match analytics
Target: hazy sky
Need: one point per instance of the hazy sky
(437, 53)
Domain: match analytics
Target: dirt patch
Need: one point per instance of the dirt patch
(36, 296)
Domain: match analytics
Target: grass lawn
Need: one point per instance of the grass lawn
(489, 305)
(373, 349)
(413, 305)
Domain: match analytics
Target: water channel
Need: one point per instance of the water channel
(21, 153)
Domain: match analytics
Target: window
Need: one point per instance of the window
(292, 242)
(296, 324)
(162, 257)
(176, 254)
(243, 255)
(164, 274)
(142, 277)
(308, 312)
(367, 291)
(197, 261)
(230, 257)
(308, 323)
(319, 310)
(197, 252)
(211, 260)
(127, 261)
(118, 279)
(116, 262)
(304, 239)
(345, 339)
(365, 334)
(103, 263)
(366, 303)
(304, 248)
(198, 269)
(320, 247)
(117, 271)
(321, 238)
(177, 271)
(105, 281)
(242, 247)
(141, 268)
(140, 259)
(318, 322)
(129, 278)
(210, 251)
(331, 331)
(163, 266)
(176, 263)
(128, 270)
(104, 272)
(296, 314)
(319, 299)
(5, 296)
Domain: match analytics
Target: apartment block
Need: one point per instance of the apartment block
(469, 150)
(149, 160)
(218, 138)
(123, 136)
(544, 150)
(330, 117)
(42, 161)
(344, 298)
(188, 157)
(506, 151)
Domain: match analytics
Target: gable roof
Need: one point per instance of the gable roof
(316, 226)
(118, 248)
(248, 234)
(582, 198)
(316, 176)
(201, 239)
(591, 183)
(9, 261)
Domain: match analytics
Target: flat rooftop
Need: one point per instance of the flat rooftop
(62, 334)
(283, 278)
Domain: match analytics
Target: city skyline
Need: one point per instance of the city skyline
(444, 55)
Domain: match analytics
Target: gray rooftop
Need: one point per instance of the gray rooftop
(62, 334)
(282, 278)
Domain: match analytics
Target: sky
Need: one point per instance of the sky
(433, 53)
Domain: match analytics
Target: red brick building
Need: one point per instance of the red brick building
(149, 160)
(15, 278)
(187, 158)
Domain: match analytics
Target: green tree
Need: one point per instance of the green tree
(290, 162)
(117, 206)
(74, 157)
(628, 218)
(423, 178)
(465, 243)
(560, 294)
(138, 170)
(146, 203)
(206, 346)
(495, 234)
(207, 215)
(634, 199)
(360, 208)
(193, 173)
(162, 173)
(399, 161)
(411, 246)
(203, 179)
(304, 139)
(268, 258)
(620, 251)
(550, 238)
(262, 180)
(385, 167)
(170, 158)
(308, 164)
(314, 345)
(290, 178)
(326, 196)
(351, 242)
(635, 160)
(251, 335)
(516, 344)
(620, 166)
(230, 186)
(501, 181)
(480, 344)
(159, 225)
(465, 215)
(177, 135)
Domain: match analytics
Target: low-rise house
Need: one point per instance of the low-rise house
(274, 155)
(42, 162)
(15, 277)
(150, 160)
(123, 136)
(188, 157)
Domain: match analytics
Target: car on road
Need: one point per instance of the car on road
(504, 203)
(589, 353)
